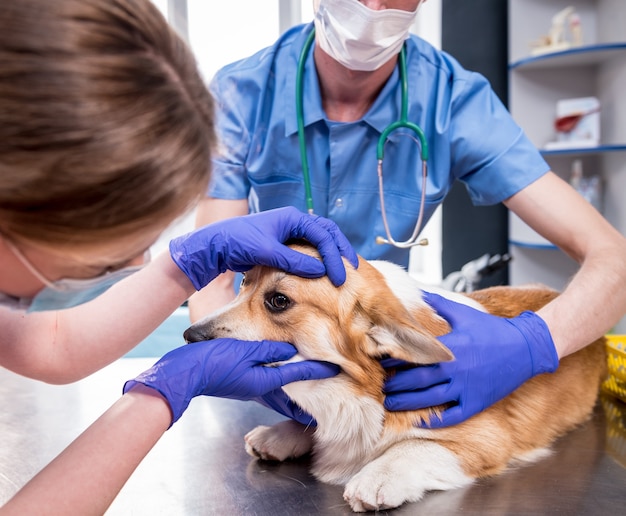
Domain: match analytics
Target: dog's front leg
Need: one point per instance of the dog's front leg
(403, 473)
(285, 440)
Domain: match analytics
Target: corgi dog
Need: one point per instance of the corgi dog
(381, 457)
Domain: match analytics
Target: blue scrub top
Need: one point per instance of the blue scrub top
(471, 137)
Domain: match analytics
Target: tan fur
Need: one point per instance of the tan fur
(357, 324)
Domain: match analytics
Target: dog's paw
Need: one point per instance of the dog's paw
(285, 440)
(378, 488)
(404, 473)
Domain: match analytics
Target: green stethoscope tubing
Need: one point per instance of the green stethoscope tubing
(402, 123)
(300, 118)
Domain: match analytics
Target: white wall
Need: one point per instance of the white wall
(426, 262)
(220, 33)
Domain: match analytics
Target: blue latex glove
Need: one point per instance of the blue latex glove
(226, 368)
(239, 243)
(279, 401)
(493, 357)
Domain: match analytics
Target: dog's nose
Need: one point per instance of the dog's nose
(194, 334)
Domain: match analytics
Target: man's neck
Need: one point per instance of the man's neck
(348, 94)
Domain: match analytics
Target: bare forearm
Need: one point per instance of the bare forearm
(595, 298)
(128, 315)
(67, 345)
(87, 476)
(592, 303)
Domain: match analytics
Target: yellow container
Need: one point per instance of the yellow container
(615, 384)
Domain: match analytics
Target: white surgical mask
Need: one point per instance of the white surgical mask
(358, 37)
(67, 292)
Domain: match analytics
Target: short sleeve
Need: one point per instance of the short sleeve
(228, 175)
(490, 152)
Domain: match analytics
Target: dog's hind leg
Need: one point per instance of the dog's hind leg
(403, 474)
(285, 440)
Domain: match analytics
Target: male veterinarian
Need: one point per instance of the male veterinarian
(334, 103)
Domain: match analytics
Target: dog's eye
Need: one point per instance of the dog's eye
(277, 302)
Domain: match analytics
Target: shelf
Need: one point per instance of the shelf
(537, 83)
(574, 151)
(529, 245)
(577, 56)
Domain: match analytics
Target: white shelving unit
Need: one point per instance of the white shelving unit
(598, 69)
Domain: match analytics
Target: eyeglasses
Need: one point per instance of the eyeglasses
(54, 284)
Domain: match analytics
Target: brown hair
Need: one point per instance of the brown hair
(106, 126)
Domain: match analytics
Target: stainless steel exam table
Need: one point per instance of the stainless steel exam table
(200, 465)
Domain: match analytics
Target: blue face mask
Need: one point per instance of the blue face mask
(66, 292)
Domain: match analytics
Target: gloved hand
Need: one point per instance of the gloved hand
(493, 357)
(226, 368)
(239, 243)
(279, 401)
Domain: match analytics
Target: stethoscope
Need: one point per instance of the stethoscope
(419, 138)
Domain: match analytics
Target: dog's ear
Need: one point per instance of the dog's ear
(403, 340)
(392, 329)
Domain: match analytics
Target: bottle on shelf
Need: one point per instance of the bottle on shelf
(589, 187)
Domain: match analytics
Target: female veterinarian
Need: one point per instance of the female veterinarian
(105, 138)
